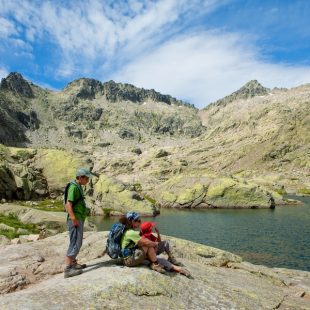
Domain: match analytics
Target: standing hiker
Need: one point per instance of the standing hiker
(77, 212)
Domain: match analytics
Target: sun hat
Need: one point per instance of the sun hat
(133, 216)
(83, 172)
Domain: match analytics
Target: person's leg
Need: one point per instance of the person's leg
(151, 255)
(135, 259)
(166, 264)
(73, 250)
(79, 242)
(163, 246)
(180, 270)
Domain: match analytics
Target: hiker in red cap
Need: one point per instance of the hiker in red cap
(146, 231)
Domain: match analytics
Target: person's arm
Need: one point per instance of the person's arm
(69, 209)
(158, 234)
(144, 242)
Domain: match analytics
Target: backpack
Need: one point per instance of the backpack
(113, 247)
(74, 203)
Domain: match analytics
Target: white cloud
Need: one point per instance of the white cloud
(93, 33)
(151, 44)
(204, 67)
(6, 28)
(3, 73)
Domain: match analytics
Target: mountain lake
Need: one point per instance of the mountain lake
(273, 237)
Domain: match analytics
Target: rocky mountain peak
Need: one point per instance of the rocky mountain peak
(250, 89)
(116, 92)
(84, 88)
(16, 83)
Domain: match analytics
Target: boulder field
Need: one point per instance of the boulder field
(31, 277)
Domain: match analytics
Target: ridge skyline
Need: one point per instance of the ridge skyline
(197, 51)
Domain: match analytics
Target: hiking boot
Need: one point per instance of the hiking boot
(157, 267)
(71, 272)
(78, 266)
(185, 273)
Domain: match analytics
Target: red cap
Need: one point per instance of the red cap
(146, 227)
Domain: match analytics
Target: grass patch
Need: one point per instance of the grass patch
(46, 205)
(13, 221)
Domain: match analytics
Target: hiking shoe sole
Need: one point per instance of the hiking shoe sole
(72, 272)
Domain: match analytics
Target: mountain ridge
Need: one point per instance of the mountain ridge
(261, 139)
(249, 90)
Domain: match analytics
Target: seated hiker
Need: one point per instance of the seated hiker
(135, 249)
(146, 230)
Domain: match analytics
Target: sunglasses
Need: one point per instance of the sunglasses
(138, 220)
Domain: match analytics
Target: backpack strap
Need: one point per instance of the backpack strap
(81, 199)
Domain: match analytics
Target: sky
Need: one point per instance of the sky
(195, 50)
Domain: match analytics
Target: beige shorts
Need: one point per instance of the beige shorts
(135, 259)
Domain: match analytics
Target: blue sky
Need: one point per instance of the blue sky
(198, 51)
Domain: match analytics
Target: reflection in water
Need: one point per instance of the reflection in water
(276, 238)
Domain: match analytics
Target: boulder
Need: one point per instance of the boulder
(22, 231)
(6, 227)
(117, 196)
(220, 280)
(187, 191)
(15, 241)
(18, 181)
(4, 240)
(161, 153)
(53, 222)
(33, 237)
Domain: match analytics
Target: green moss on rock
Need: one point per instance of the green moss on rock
(194, 191)
(218, 187)
(116, 196)
(58, 166)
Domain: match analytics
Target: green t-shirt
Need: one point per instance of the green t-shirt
(130, 238)
(74, 194)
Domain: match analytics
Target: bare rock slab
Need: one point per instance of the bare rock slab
(220, 280)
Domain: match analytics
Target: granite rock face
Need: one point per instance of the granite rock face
(31, 278)
(256, 136)
(251, 89)
(186, 191)
(117, 196)
(16, 83)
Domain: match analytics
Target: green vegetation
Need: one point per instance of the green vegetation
(12, 221)
(280, 191)
(107, 211)
(304, 191)
(58, 166)
(150, 199)
(47, 205)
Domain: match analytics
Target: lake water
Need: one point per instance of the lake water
(275, 238)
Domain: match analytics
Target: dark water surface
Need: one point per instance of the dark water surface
(275, 238)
